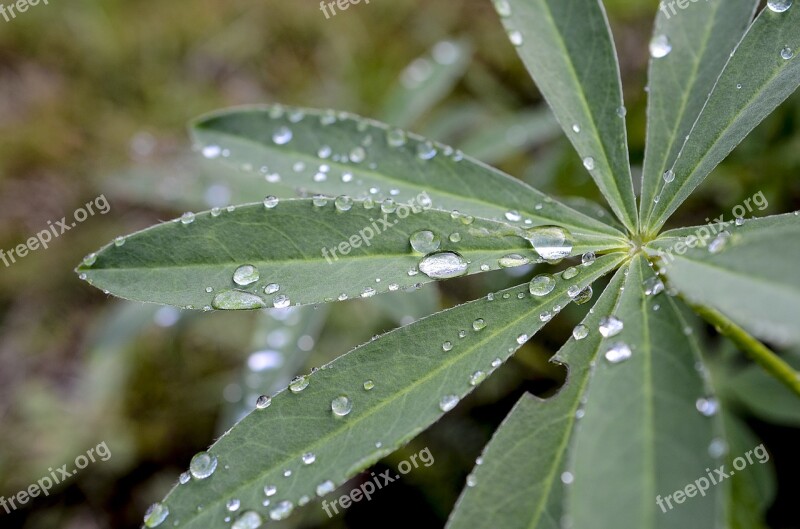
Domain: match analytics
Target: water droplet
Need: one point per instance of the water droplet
(546, 316)
(719, 243)
(542, 285)
(610, 326)
(707, 406)
(779, 6)
(787, 53)
(588, 258)
(155, 515)
(717, 448)
(298, 384)
(669, 176)
(476, 378)
(263, 402)
(270, 490)
(325, 487)
(618, 352)
(471, 481)
(203, 465)
(447, 346)
(653, 286)
(503, 8)
(187, 218)
(516, 38)
(455, 237)
(246, 275)
(90, 259)
(281, 301)
(513, 216)
(248, 520)
(550, 242)
(341, 405)
(567, 478)
(309, 458)
(211, 151)
(580, 332)
(443, 265)
(660, 47)
(358, 155)
(119, 241)
(512, 260)
(237, 300)
(319, 201)
(388, 206)
(569, 273)
(282, 136)
(233, 505)
(271, 202)
(271, 288)
(496, 363)
(622, 111)
(425, 242)
(739, 221)
(576, 128)
(588, 163)
(479, 324)
(396, 138)
(426, 150)
(369, 385)
(343, 203)
(448, 402)
(522, 338)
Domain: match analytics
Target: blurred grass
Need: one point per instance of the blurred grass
(89, 88)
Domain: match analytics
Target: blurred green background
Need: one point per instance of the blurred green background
(94, 98)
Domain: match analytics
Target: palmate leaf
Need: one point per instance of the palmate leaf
(519, 483)
(568, 49)
(762, 72)
(343, 154)
(642, 435)
(295, 245)
(416, 379)
(750, 276)
(702, 37)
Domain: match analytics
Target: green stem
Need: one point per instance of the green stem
(757, 351)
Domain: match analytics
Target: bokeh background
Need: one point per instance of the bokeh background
(94, 98)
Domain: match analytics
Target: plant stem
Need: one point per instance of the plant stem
(757, 351)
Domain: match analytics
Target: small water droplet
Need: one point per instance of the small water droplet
(358, 155)
(588, 258)
(476, 378)
(319, 201)
(245, 275)
(341, 405)
(325, 487)
(660, 47)
(155, 515)
(503, 8)
(516, 38)
(343, 203)
(576, 128)
(369, 385)
(669, 176)
(271, 288)
(447, 346)
(707, 406)
(739, 221)
(448, 402)
(588, 163)
(622, 111)
(618, 352)
(271, 202)
(443, 265)
(522, 338)
(248, 520)
(211, 151)
(719, 243)
(282, 136)
(233, 505)
(569, 273)
(426, 150)
(263, 402)
(717, 448)
(298, 384)
(187, 218)
(567, 478)
(550, 242)
(281, 301)
(610, 326)
(512, 260)
(653, 286)
(309, 458)
(580, 332)
(584, 296)
(237, 300)
(270, 490)
(542, 285)
(479, 324)
(203, 465)
(496, 363)
(396, 138)
(787, 53)
(425, 242)
(513, 216)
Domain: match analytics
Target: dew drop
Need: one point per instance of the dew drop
(610, 326)
(513, 216)
(282, 136)
(248, 520)
(567, 478)
(298, 384)
(542, 285)
(369, 385)
(341, 405)
(271, 288)
(787, 53)
(512, 260)
(309, 458)
(237, 300)
(707, 406)
(576, 128)
(580, 332)
(187, 218)
(516, 38)
(425, 242)
(653, 286)
(443, 265)
(779, 6)
(717, 448)
(584, 296)
(246, 275)
(476, 378)
(503, 8)
(569, 273)
(358, 155)
(263, 402)
(203, 465)
(479, 324)
(739, 221)
(281, 301)
(396, 138)
(588, 258)
(325, 487)
(426, 150)
(550, 242)
(669, 176)
(522, 338)
(719, 243)
(319, 201)
(281, 511)
(448, 402)
(184, 478)
(233, 505)
(660, 47)
(447, 346)
(155, 515)
(588, 163)
(271, 202)
(270, 490)
(211, 152)
(455, 237)
(618, 352)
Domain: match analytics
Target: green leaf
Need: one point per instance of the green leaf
(642, 436)
(702, 37)
(568, 49)
(342, 154)
(299, 247)
(412, 375)
(752, 278)
(754, 82)
(518, 484)
(425, 82)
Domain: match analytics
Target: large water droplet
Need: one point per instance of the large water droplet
(425, 242)
(779, 6)
(660, 46)
(610, 326)
(245, 275)
(237, 300)
(341, 405)
(542, 285)
(550, 242)
(448, 402)
(618, 352)
(203, 465)
(443, 265)
(155, 515)
(248, 520)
